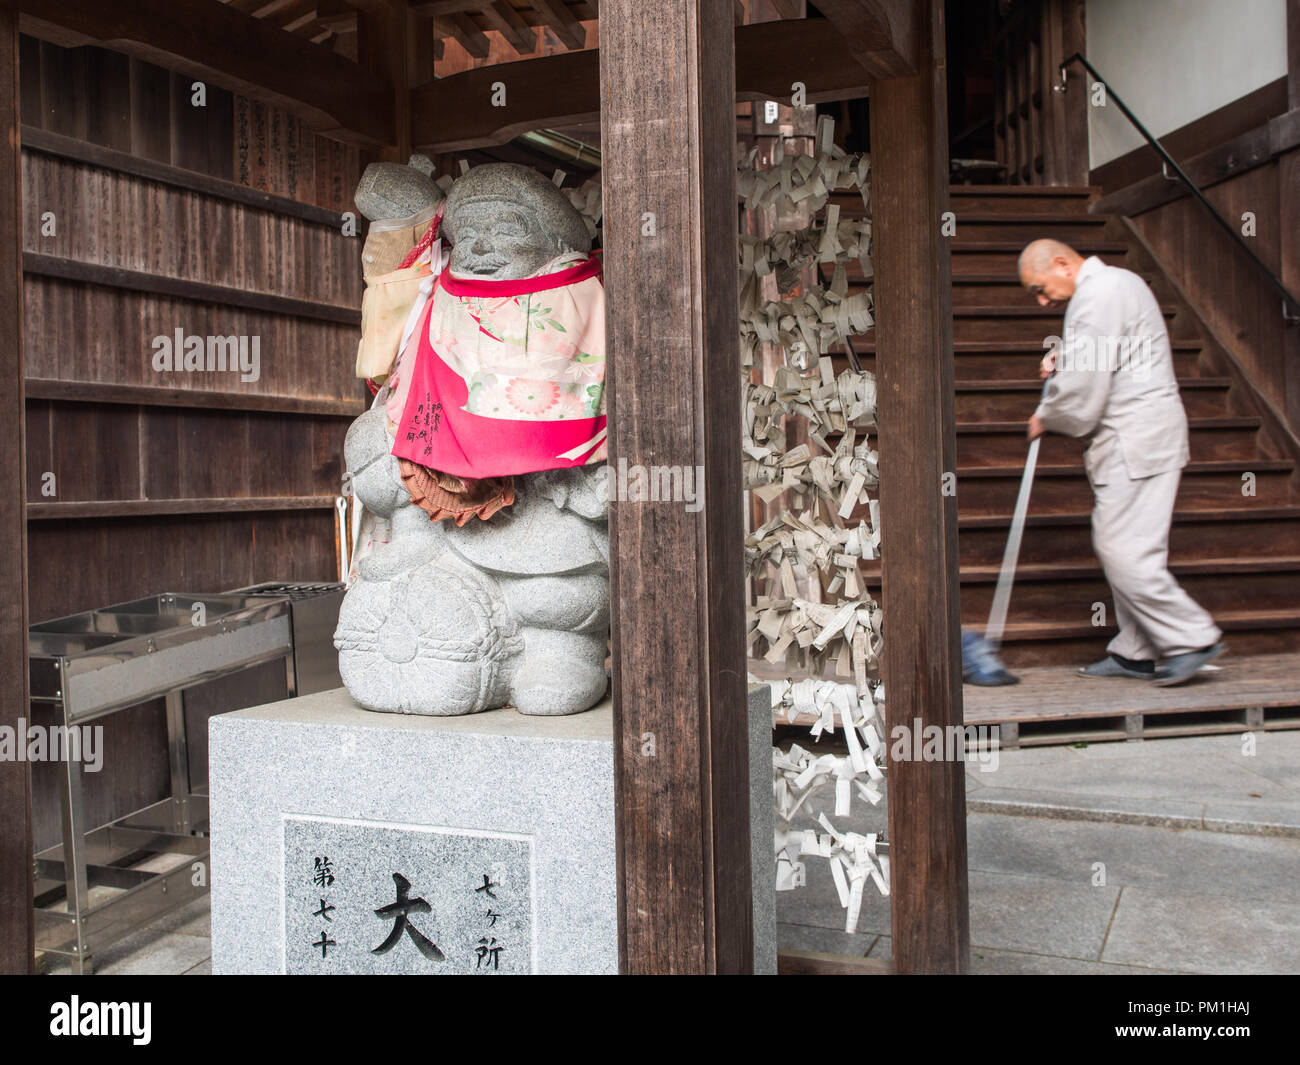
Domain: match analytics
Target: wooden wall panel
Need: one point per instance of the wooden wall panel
(16, 922)
(84, 564)
(84, 332)
(101, 287)
(1229, 290)
(122, 220)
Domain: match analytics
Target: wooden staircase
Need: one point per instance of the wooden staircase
(1237, 554)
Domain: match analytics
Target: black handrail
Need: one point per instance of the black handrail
(1168, 159)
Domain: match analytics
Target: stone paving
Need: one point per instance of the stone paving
(1161, 856)
(1175, 855)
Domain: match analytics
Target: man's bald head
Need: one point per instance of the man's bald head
(1047, 269)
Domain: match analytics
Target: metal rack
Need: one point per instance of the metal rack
(89, 892)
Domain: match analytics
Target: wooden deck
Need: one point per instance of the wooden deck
(1052, 704)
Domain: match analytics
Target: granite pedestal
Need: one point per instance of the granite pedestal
(346, 841)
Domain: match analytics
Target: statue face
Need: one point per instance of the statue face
(499, 240)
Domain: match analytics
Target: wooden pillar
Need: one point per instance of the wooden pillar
(1065, 115)
(1293, 54)
(397, 44)
(16, 918)
(680, 744)
(914, 367)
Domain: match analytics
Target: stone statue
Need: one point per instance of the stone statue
(391, 190)
(512, 609)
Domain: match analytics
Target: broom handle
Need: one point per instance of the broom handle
(1006, 577)
(1002, 596)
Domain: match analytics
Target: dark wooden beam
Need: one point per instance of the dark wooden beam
(462, 29)
(1293, 53)
(1257, 147)
(388, 43)
(562, 22)
(96, 509)
(38, 264)
(677, 582)
(506, 21)
(789, 8)
(914, 369)
(456, 113)
(337, 16)
(772, 56)
(162, 396)
(883, 34)
(226, 47)
(17, 943)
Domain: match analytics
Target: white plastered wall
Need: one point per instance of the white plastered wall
(1174, 61)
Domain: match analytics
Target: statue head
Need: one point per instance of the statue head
(507, 221)
(396, 190)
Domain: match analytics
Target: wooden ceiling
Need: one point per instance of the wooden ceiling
(396, 74)
(475, 25)
(463, 31)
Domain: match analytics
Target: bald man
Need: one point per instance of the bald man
(1112, 382)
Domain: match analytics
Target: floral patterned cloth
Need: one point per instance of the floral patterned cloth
(507, 376)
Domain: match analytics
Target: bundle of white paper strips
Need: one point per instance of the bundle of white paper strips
(808, 325)
(799, 546)
(802, 181)
(798, 774)
(827, 244)
(853, 857)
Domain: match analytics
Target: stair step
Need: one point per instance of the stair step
(991, 401)
(1024, 199)
(1052, 591)
(1009, 360)
(979, 226)
(1013, 323)
(1194, 535)
(1039, 643)
(996, 256)
(991, 444)
(993, 490)
(1001, 199)
(987, 290)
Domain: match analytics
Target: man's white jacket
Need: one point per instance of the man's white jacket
(1114, 380)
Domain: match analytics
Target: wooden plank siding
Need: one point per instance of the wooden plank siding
(16, 919)
(221, 220)
(1230, 291)
(1041, 136)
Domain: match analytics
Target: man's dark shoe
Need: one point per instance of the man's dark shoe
(1112, 666)
(1182, 668)
(980, 664)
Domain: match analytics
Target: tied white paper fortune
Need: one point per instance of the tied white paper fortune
(798, 774)
(825, 481)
